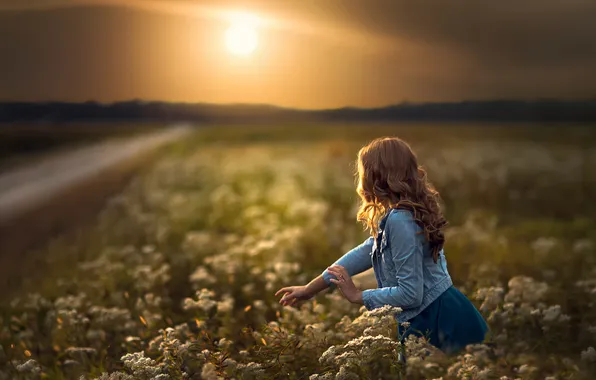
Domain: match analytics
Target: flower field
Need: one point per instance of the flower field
(175, 279)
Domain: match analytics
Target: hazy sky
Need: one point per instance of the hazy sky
(311, 53)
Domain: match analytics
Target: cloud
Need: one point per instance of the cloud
(25, 5)
(543, 32)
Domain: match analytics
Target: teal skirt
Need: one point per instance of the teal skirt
(450, 323)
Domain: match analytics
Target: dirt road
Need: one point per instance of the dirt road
(25, 189)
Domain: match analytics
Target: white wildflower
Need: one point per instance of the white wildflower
(203, 302)
(329, 355)
(345, 374)
(383, 311)
(140, 365)
(30, 366)
(491, 297)
(224, 343)
(526, 369)
(589, 355)
(202, 276)
(209, 372)
(525, 289)
(259, 305)
(230, 363)
(81, 353)
(583, 245)
(226, 305)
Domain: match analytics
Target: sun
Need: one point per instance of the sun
(241, 37)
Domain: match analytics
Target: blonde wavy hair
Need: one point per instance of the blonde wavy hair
(389, 177)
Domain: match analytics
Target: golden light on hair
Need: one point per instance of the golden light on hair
(389, 177)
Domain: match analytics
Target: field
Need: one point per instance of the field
(176, 277)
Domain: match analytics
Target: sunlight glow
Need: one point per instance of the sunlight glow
(241, 37)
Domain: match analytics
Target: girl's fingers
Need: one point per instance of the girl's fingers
(338, 268)
(282, 290)
(288, 303)
(333, 272)
(338, 273)
(286, 294)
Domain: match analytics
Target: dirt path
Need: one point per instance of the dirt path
(25, 189)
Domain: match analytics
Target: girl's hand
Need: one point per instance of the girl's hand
(345, 284)
(292, 294)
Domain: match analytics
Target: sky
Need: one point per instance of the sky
(310, 54)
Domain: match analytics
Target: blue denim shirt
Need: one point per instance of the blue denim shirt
(406, 274)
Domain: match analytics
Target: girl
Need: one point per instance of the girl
(400, 209)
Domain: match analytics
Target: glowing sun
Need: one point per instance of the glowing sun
(241, 37)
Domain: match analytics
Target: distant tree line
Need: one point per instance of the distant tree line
(498, 111)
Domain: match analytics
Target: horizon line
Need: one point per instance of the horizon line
(271, 105)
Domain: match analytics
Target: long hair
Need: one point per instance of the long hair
(389, 177)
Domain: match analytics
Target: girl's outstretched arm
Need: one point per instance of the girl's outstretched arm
(355, 261)
(407, 254)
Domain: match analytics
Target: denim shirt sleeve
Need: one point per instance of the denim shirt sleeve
(407, 254)
(357, 260)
